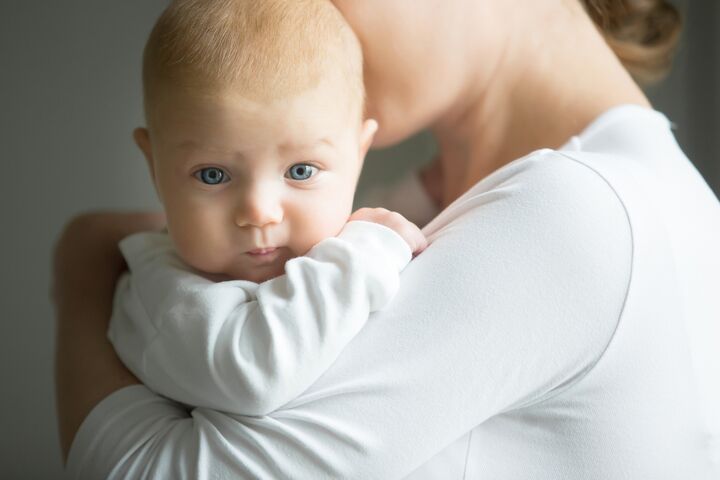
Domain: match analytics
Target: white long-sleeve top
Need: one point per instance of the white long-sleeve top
(239, 346)
(562, 324)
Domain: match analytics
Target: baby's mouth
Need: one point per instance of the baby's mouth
(262, 251)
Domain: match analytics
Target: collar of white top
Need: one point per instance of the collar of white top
(612, 117)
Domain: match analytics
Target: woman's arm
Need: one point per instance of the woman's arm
(244, 348)
(517, 296)
(86, 265)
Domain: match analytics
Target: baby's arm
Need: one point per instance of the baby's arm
(245, 348)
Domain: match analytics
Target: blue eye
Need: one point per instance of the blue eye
(211, 176)
(301, 171)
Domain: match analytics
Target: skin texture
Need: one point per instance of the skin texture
(484, 90)
(493, 81)
(255, 150)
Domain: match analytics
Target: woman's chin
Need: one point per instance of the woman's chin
(393, 131)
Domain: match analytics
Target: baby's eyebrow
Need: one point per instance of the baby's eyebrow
(193, 145)
(323, 142)
(189, 150)
(188, 145)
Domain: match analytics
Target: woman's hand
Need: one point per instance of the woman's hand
(86, 266)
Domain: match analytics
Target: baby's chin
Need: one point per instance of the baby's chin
(259, 277)
(256, 276)
(250, 268)
(252, 273)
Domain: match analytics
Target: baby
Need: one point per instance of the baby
(255, 140)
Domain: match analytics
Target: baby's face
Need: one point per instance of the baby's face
(247, 186)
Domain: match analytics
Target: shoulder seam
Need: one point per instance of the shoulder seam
(581, 375)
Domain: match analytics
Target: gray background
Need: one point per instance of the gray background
(69, 98)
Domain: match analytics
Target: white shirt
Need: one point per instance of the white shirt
(563, 323)
(242, 347)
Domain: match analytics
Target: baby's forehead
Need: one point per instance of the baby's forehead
(312, 124)
(327, 105)
(261, 92)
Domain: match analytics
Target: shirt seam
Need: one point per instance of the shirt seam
(467, 455)
(581, 376)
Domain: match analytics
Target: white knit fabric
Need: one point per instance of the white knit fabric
(242, 347)
(563, 324)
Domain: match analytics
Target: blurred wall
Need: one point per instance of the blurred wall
(690, 95)
(69, 98)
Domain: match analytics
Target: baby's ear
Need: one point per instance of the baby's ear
(367, 133)
(142, 139)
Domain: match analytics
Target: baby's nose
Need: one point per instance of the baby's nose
(259, 207)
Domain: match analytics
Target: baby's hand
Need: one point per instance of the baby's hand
(393, 220)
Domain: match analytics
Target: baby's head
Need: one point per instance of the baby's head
(256, 132)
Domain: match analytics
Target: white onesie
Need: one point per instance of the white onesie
(242, 347)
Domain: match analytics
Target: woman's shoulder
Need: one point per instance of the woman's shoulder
(558, 173)
(548, 188)
(545, 242)
(546, 209)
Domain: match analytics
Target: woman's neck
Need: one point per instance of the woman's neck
(546, 87)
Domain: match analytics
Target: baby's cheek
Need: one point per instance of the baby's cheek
(328, 224)
(187, 248)
(195, 244)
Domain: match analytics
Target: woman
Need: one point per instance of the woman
(562, 323)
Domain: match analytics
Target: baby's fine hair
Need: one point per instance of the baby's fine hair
(259, 49)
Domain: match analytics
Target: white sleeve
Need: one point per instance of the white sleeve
(242, 347)
(516, 298)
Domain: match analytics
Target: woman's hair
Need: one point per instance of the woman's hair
(642, 33)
